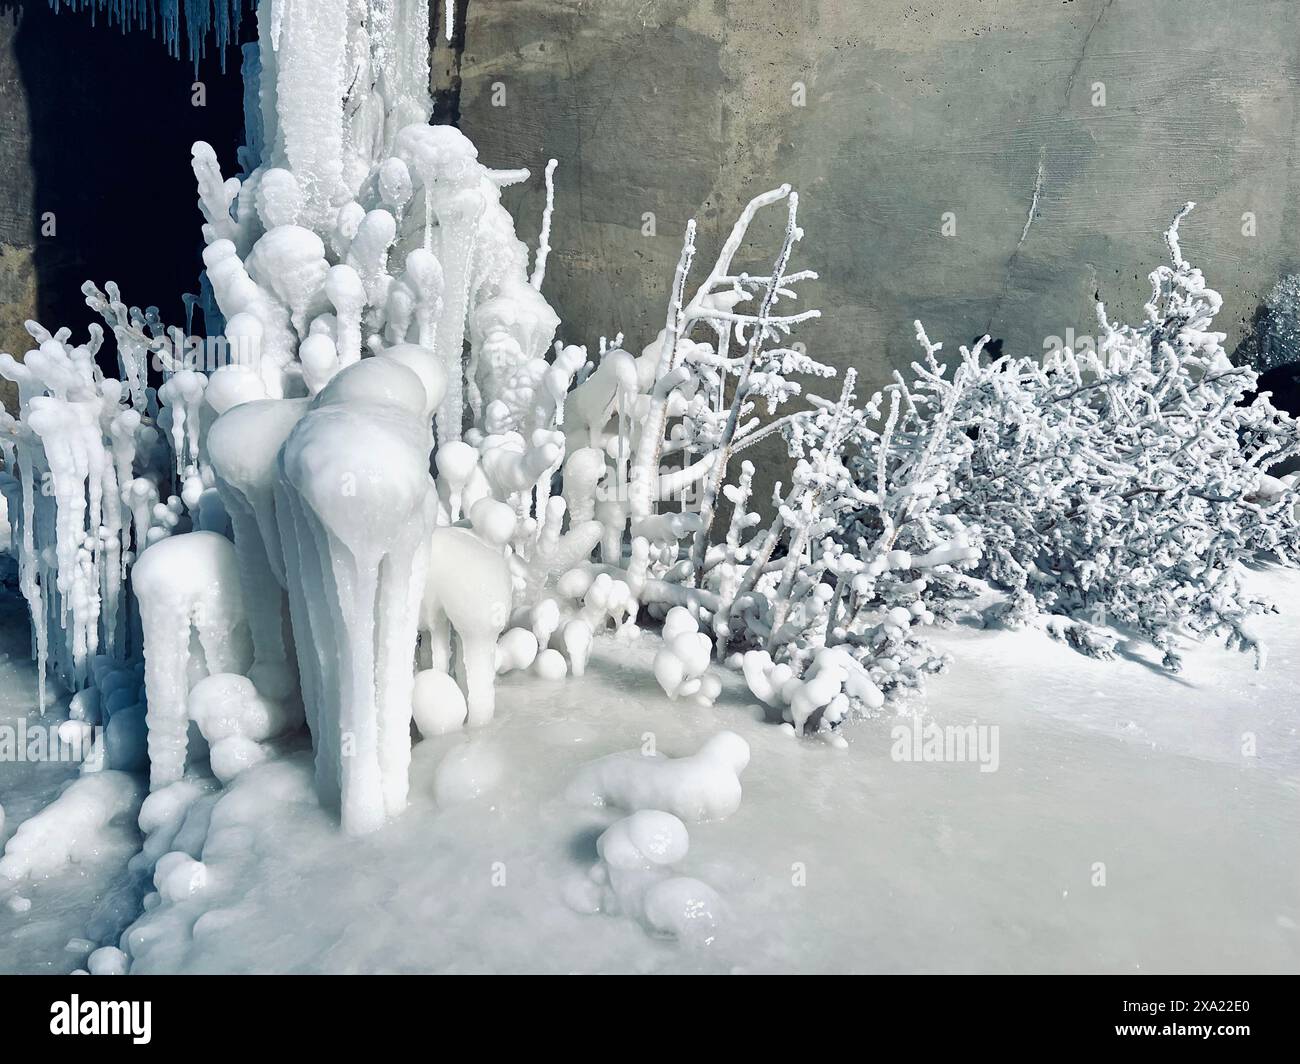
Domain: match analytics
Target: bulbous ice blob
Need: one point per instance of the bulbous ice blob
(235, 755)
(231, 385)
(421, 361)
(227, 704)
(383, 382)
(178, 876)
(468, 772)
(550, 665)
(320, 361)
(290, 262)
(577, 645)
(107, 960)
(457, 464)
(647, 837)
(685, 909)
(493, 521)
(346, 224)
(516, 650)
(679, 620)
(583, 470)
(346, 291)
(394, 182)
(438, 704)
(279, 199)
(703, 786)
(574, 583)
(126, 740)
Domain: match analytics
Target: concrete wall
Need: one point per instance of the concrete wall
(684, 108)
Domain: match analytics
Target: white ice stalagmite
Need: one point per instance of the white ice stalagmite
(310, 91)
(448, 167)
(358, 546)
(192, 614)
(468, 592)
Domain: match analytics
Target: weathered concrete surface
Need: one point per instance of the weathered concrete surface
(684, 108)
(17, 257)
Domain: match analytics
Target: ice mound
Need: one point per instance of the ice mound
(634, 878)
(68, 829)
(703, 786)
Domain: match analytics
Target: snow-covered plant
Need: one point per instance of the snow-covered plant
(658, 426)
(1274, 340)
(822, 603)
(1127, 485)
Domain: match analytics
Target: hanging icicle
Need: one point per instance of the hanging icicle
(221, 18)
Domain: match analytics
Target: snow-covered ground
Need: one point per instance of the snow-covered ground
(50, 923)
(837, 860)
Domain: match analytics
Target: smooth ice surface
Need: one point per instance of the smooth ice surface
(948, 868)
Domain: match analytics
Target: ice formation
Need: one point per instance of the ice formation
(69, 828)
(634, 877)
(397, 484)
(682, 665)
(702, 786)
(221, 18)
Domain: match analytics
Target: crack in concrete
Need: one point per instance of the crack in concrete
(1083, 51)
(1034, 199)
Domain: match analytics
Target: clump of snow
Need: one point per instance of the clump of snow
(438, 705)
(107, 960)
(702, 786)
(235, 719)
(681, 666)
(825, 692)
(634, 878)
(68, 829)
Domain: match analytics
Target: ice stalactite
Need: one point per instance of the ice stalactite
(76, 450)
(220, 18)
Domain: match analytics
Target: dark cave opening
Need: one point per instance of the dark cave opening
(112, 117)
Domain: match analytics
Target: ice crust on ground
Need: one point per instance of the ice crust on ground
(485, 884)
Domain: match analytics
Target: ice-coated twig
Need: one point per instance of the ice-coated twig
(544, 240)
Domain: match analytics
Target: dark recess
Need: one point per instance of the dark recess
(111, 123)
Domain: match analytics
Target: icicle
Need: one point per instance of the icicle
(544, 240)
